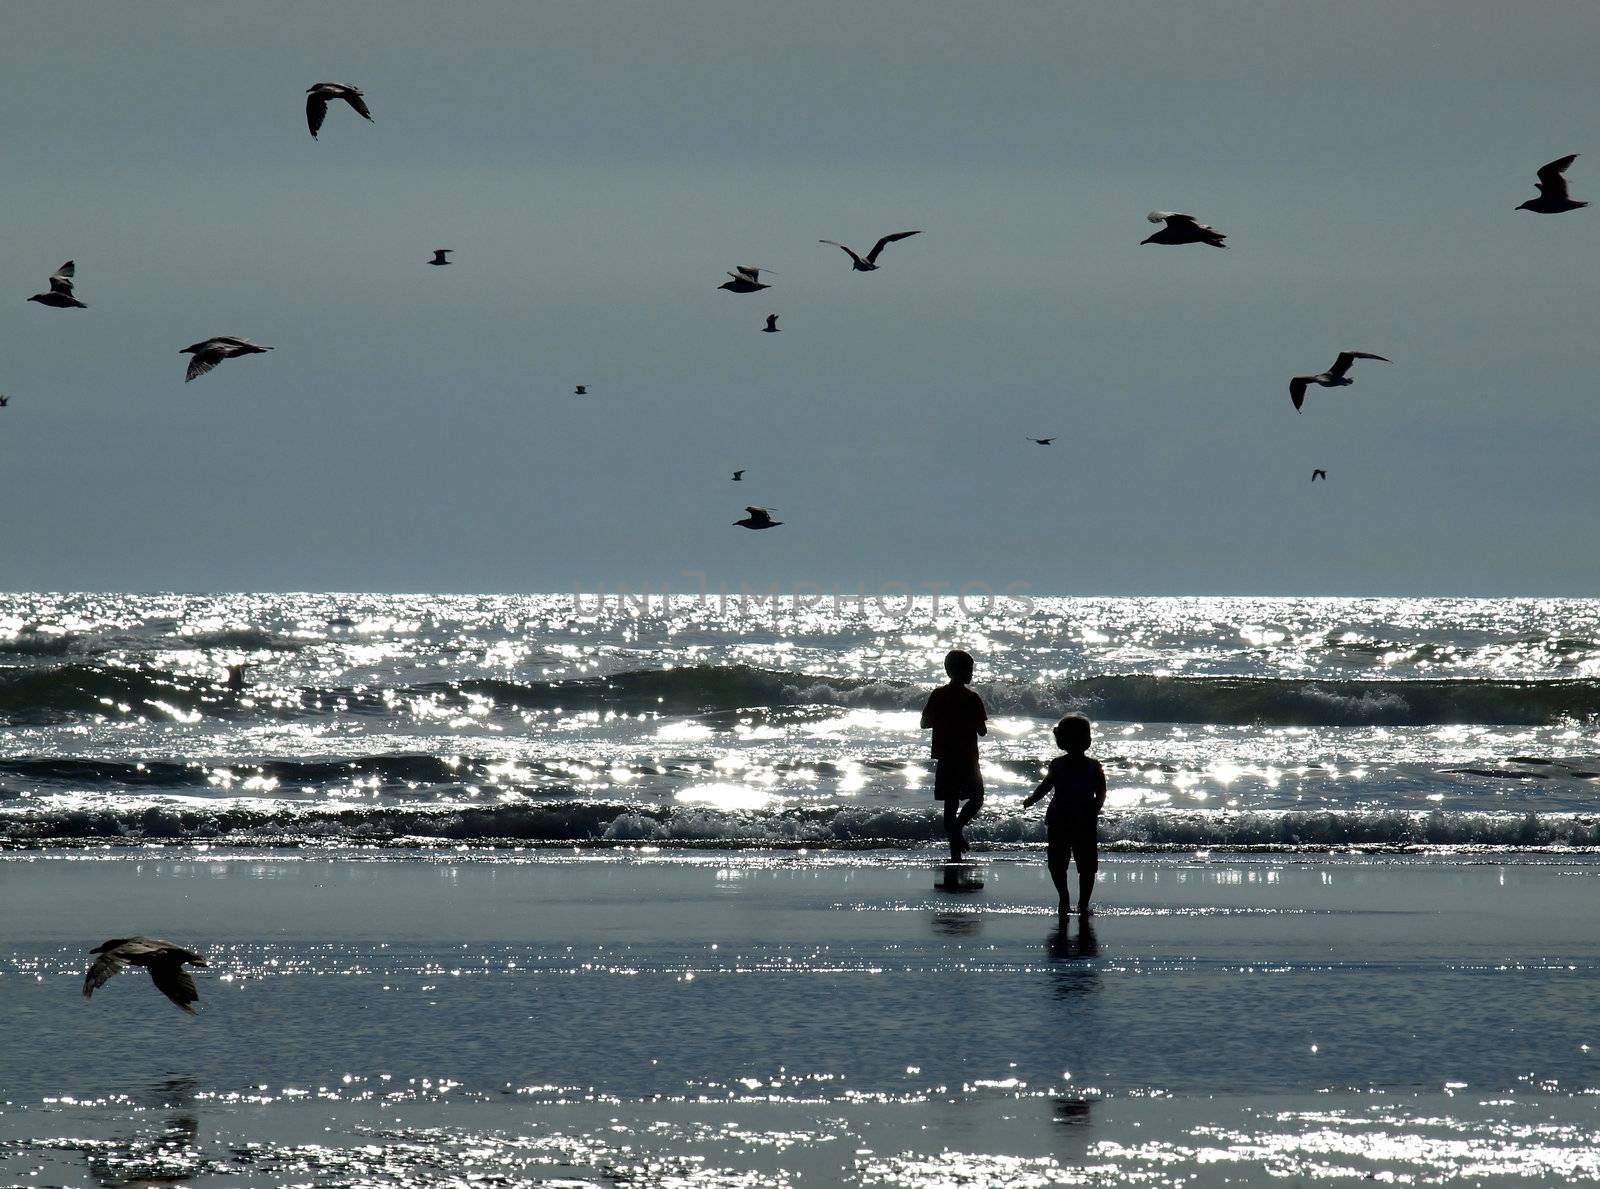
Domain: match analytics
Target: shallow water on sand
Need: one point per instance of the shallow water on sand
(741, 1018)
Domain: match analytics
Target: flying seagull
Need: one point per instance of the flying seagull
(1182, 229)
(4, 401)
(772, 325)
(439, 255)
(1319, 473)
(746, 279)
(758, 518)
(162, 959)
(870, 264)
(1334, 377)
(1050, 441)
(738, 476)
(210, 352)
(318, 95)
(1552, 186)
(580, 390)
(59, 294)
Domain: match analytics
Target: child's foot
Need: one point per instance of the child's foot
(1066, 908)
(1085, 912)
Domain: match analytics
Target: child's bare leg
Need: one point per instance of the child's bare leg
(968, 812)
(1085, 890)
(1058, 876)
(952, 830)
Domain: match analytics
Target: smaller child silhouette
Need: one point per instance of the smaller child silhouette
(1071, 821)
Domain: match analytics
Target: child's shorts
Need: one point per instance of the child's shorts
(957, 780)
(1075, 841)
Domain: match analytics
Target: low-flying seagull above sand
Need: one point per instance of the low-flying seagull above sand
(758, 518)
(210, 352)
(1050, 441)
(1319, 473)
(746, 279)
(162, 959)
(772, 325)
(318, 95)
(870, 264)
(439, 255)
(1182, 229)
(738, 476)
(1334, 377)
(60, 294)
(1552, 186)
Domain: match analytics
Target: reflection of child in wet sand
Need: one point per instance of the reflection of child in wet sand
(956, 716)
(1079, 784)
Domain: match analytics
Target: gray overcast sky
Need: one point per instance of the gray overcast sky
(597, 167)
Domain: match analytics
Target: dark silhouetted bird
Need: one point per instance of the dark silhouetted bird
(738, 476)
(1334, 377)
(870, 264)
(758, 518)
(1182, 229)
(1050, 441)
(1319, 473)
(210, 352)
(60, 293)
(580, 390)
(772, 325)
(746, 279)
(162, 959)
(318, 95)
(4, 401)
(1552, 186)
(439, 255)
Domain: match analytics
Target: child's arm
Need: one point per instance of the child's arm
(927, 706)
(983, 718)
(1045, 786)
(1099, 788)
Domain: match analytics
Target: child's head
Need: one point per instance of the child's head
(959, 666)
(1073, 734)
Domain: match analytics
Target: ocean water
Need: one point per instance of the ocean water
(727, 721)
(557, 891)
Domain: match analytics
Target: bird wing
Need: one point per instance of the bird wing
(200, 365)
(772, 320)
(851, 251)
(1342, 364)
(70, 268)
(173, 981)
(1169, 217)
(354, 99)
(316, 112)
(748, 271)
(758, 513)
(1551, 183)
(872, 256)
(61, 283)
(104, 968)
(1297, 390)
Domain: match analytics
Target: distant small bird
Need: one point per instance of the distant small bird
(738, 476)
(1319, 473)
(1182, 229)
(439, 255)
(1044, 441)
(1552, 186)
(1334, 377)
(580, 390)
(4, 401)
(162, 959)
(318, 95)
(772, 325)
(60, 294)
(746, 279)
(758, 518)
(210, 352)
(870, 264)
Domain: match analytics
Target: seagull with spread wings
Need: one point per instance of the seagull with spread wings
(318, 95)
(772, 325)
(1050, 441)
(759, 518)
(870, 264)
(1183, 229)
(1319, 473)
(60, 293)
(1335, 377)
(439, 255)
(746, 278)
(1552, 186)
(210, 352)
(163, 959)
